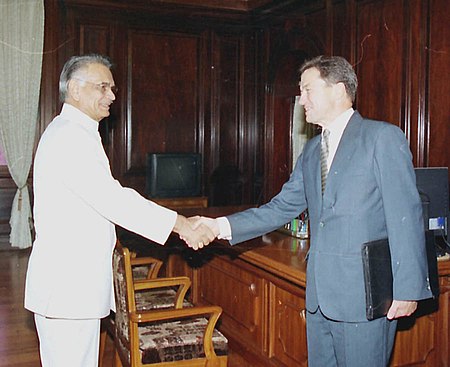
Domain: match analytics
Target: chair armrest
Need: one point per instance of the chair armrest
(154, 265)
(211, 312)
(183, 283)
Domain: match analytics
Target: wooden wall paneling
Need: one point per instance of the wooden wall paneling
(206, 138)
(94, 38)
(379, 61)
(400, 50)
(226, 62)
(342, 29)
(301, 36)
(438, 53)
(415, 79)
(99, 38)
(250, 116)
(233, 115)
(267, 130)
(49, 98)
(258, 117)
(162, 110)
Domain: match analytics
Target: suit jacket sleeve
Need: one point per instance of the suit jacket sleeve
(287, 204)
(88, 175)
(403, 214)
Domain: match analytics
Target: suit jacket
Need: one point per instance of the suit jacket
(370, 194)
(77, 202)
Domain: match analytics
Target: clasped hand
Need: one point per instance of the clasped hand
(196, 231)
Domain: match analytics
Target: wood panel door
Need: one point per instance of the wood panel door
(443, 323)
(416, 340)
(287, 326)
(240, 293)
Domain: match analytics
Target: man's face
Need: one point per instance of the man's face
(94, 95)
(317, 97)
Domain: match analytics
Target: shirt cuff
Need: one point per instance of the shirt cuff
(224, 228)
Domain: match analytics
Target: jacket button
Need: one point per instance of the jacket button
(322, 224)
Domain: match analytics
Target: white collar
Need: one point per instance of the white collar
(74, 114)
(338, 125)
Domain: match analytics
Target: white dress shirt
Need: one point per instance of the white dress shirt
(76, 204)
(336, 129)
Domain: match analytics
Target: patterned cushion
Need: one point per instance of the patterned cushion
(140, 272)
(178, 340)
(152, 299)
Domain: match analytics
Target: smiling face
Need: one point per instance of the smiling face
(87, 91)
(322, 101)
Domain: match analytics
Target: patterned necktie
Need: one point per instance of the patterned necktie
(324, 145)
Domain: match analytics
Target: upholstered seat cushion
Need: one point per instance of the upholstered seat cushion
(179, 340)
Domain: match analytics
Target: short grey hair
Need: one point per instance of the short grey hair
(333, 70)
(73, 65)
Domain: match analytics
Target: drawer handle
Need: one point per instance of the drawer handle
(252, 288)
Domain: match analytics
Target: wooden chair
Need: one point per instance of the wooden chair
(179, 336)
(146, 268)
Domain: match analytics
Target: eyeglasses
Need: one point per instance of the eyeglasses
(103, 87)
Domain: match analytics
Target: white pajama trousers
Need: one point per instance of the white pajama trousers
(67, 342)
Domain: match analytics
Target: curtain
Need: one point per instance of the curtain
(21, 49)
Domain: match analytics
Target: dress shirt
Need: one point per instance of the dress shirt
(76, 204)
(336, 128)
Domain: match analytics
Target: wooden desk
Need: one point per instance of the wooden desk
(187, 202)
(260, 284)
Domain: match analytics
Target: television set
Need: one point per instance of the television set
(172, 175)
(432, 184)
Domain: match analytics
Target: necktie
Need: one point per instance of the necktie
(324, 145)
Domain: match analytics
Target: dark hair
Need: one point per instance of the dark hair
(74, 64)
(333, 70)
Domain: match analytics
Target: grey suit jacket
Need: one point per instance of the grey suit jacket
(370, 194)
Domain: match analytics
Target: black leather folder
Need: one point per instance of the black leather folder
(376, 258)
(378, 280)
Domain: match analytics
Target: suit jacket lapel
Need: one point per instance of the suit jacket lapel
(315, 168)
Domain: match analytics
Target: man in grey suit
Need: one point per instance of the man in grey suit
(364, 190)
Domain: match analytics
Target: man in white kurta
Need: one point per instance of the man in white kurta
(77, 203)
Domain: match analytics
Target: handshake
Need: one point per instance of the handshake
(196, 231)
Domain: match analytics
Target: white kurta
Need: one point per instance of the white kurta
(76, 204)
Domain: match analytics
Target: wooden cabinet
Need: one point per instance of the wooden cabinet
(423, 339)
(241, 293)
(287, 325)
(443, 319)
(416, 339)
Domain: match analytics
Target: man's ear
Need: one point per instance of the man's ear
(73, 89)
(341, 93)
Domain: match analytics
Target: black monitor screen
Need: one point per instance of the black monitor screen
(432, 184)
(173, 175)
